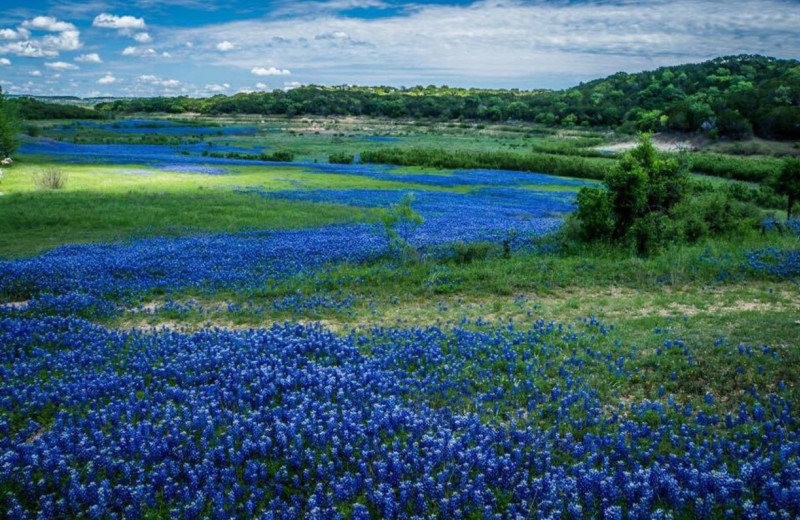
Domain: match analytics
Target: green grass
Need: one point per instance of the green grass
(34, 222)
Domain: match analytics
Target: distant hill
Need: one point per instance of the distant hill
(734, 97)
(39, 108)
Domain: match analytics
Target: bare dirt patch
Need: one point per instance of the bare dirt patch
(664, 143)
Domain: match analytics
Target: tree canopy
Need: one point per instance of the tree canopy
(9, 127)
(788, 183)
(734, 96)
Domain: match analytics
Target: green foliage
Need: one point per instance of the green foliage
(9, 127)
(594, 215)
(464, 253)
(277, 156)
(32, 109)
(642, 188)
(563, 165)
(788, 183)
(399, 220)
(740, 168)
(754, 95)
(341, 158)
(648, 204)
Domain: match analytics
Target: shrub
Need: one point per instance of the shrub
(788, 183)
(464, 253)
(398, 222)
(277, 156)
(341, 158)
(50, 178)
(641, 189)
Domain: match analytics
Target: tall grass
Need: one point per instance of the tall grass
(50, 178)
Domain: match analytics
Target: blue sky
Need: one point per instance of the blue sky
(204, 47)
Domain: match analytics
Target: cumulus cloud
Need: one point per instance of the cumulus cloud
(225, 46)
(216, 88)
(61, 65)
(261, 86)
(65, 41)
(155, 80)
(28, 49)
(145, 52)
(35, 73)
(11, 34)
(124, 24)
(48, 23)
(142, 37)
(89, 58)
(271, 71)
(48, 46)
(5, 62)
(107, 79)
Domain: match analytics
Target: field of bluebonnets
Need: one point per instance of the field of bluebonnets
(317, 369)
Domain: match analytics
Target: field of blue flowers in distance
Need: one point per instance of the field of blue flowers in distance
(483, 419)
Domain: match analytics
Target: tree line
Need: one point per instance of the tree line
(733, 97)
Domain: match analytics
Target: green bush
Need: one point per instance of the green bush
(464, 253)
(649, 204)
(341, 158)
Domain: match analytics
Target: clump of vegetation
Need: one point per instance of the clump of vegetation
(468, 252)
(788, 183)
(277, 156)
(399, 220)
(647, 203)
(50, 178)
(563, 165)
(341, 158)
(9, 127)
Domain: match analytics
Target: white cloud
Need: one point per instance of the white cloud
(48, 23)
(28, 49)
(65, 41)
(225, 46)
(5, 62)
(89, 58)
(145, 52)
(124, 24)
(155, 80)
(216, 88)
(11, 34)
(289, 85)
(48, 46)
(61, 65)
(272, 71)
(524, 43)
(142, 37)
(107, 79)
(261, 86)
(35, 73)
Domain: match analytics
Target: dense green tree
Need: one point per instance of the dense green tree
(788, 183)
(640, 192)
(9, 127)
